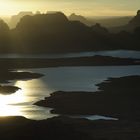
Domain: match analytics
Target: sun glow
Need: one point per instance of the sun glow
(8, 110)
(7, 7)
(10, 7)
(16, 104)
(86, 8)
(6, 101)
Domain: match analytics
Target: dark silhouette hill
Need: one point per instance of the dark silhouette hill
(135, 22)
(130, 26)
(99, 29)
(16, 18)
(55, 33)
(75, 17)
(5, 40)
(104, 21)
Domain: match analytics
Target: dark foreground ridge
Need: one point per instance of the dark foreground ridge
(118, 98)
(97, 60)
(57, 128)
(65, 128)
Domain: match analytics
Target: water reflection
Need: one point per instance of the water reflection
(21, 102)
(55, 79)
(6, 109)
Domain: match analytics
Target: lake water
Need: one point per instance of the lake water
(55, 79)
(118, 53)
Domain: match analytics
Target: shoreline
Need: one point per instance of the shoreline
(117, 98)
(17, 63)
(101, 102)
(5, 90)
(6, 76)
(67, 128)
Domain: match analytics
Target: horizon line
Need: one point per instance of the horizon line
(89, 16)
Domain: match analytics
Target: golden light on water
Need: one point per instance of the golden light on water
(6, 101)
(8, 110)
(18, 103)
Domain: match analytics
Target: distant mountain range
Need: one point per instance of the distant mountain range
(130, 26)
(55, 33)
(74, 17)
(104, 21)
(114, 24)
(16, 18)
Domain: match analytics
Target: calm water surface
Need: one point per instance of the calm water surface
(55, 79)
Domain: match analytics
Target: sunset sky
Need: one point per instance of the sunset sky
(84, 7)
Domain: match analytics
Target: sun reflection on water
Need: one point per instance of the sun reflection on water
(6, 109)
(21, 102)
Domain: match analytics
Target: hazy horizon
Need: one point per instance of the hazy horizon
(85, 8)
(90, 16)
